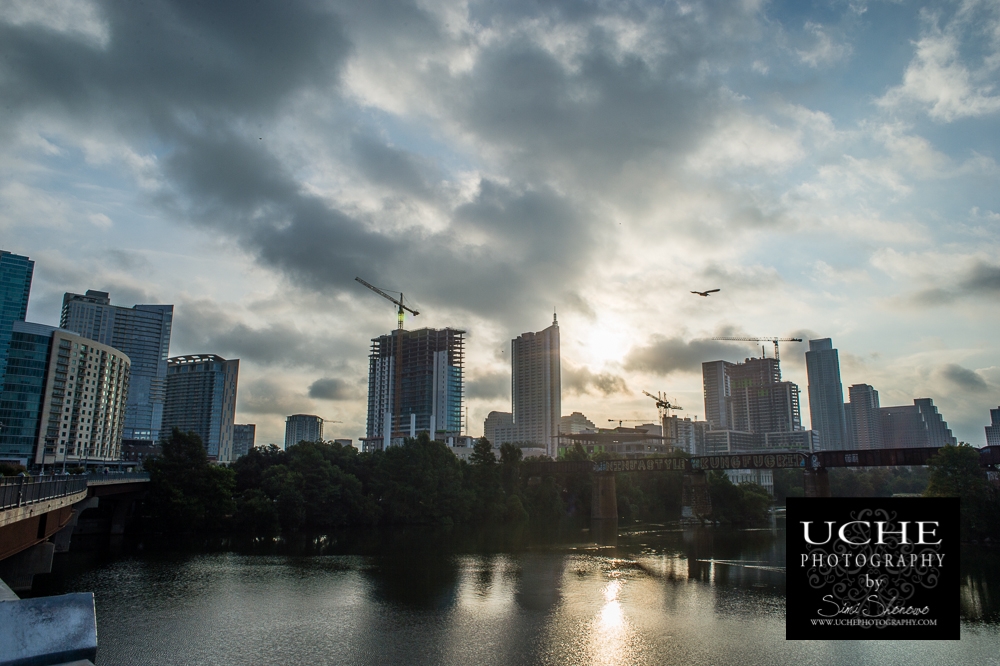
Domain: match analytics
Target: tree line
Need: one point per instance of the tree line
(318, 486)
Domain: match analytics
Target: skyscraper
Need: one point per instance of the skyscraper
(143, 333)
(863, 418)
(430, 384)
(748, 406)
(916, 425)
(15, 285)
(201, 398)
(993, 430)
(244, 435)
(536, 387)
(499, 428)
(303, 428)
(715, 376)
(826, 394)
(63, 398)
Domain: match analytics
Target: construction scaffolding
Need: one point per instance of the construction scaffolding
(430, 383)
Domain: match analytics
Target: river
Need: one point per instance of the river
(663, 595)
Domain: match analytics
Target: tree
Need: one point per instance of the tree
(955, 472)
(187, 493)
(482, 453)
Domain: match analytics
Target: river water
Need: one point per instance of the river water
(421, 596)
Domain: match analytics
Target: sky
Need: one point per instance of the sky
(831, 166)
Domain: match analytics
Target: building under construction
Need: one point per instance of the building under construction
(749, 407)
(429, 385)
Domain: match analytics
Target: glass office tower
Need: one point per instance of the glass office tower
(15, 284)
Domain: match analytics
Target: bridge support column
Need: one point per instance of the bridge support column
(604, 509)
(19, 570)
(696, 502)
(63, 537)
(122, 512)
(816, 482)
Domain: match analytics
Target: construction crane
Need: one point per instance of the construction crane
(774, 340)
(399, 345)
(398, 303)
(621, 421)
(662, 403)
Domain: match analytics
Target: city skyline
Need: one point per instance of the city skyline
(833, 170)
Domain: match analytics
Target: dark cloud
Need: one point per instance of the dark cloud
(176, 63)
(332, 388)
(963, 378)
(663, 355)
(489, 386)
(982, 279)
(263, 396)
(396, 169)
(583, 380)
(203, 327)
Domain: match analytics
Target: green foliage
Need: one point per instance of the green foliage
(186, 492)
(11, 469)
(745, 504)
(420, 482)
(877, 481)
(482, 453)
(955, 472)
(256, 513)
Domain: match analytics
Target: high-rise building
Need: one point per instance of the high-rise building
(749, 407)
(201, 398)
(993, 430)
(244, 435)
(63, 399)
(143, 333)
(863, 418)
(575, 423)
(536, 387)
(826, 394)
(430, 385)
(715, 376)
(499, 428)
(15, 286)
(913, 426)
(759, 401)
(303, 428)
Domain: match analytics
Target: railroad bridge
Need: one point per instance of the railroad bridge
(696, 503)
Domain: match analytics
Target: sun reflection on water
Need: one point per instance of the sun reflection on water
(612, 636)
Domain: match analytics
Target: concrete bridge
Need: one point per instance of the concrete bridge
(696, 502)
(38, 516)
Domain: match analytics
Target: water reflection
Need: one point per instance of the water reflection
(661, 596)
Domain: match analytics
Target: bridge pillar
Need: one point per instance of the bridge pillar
(604, 509)
(121, 515)
(816, 482)
(696, 502)
(63, 537)
(19, 570)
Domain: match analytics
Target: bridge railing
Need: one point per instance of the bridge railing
(18, 491)
(99, 479)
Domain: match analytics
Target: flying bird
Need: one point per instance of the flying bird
(705, 293)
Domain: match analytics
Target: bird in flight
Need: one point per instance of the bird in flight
(705, 293)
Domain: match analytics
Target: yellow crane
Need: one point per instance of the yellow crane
(662, 403)
(774, 340)
(400, 308)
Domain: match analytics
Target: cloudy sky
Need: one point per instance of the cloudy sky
(832, 166)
